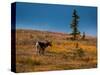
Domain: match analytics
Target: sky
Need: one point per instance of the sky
(55, 18)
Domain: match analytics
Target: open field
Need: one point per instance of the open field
(62, 55)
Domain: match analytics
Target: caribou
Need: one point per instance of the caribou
(41, 46)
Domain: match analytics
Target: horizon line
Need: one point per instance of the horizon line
(52, 31)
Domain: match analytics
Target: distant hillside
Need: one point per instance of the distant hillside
(46, 35)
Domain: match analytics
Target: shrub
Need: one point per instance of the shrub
(80, 52)
(35, 62)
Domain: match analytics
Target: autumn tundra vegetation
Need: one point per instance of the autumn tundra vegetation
(62, 55)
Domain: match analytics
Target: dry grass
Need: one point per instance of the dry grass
(62, 55)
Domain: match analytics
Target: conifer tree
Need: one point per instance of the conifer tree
(83, 36)
(74, 24)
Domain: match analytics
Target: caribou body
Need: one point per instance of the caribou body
(41, 45)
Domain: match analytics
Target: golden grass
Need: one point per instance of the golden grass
(63, 54)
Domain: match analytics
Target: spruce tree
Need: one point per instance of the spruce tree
(74, 25)
(83, 37)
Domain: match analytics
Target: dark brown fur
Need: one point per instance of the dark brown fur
(41, 45)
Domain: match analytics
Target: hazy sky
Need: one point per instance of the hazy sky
(55, 18)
